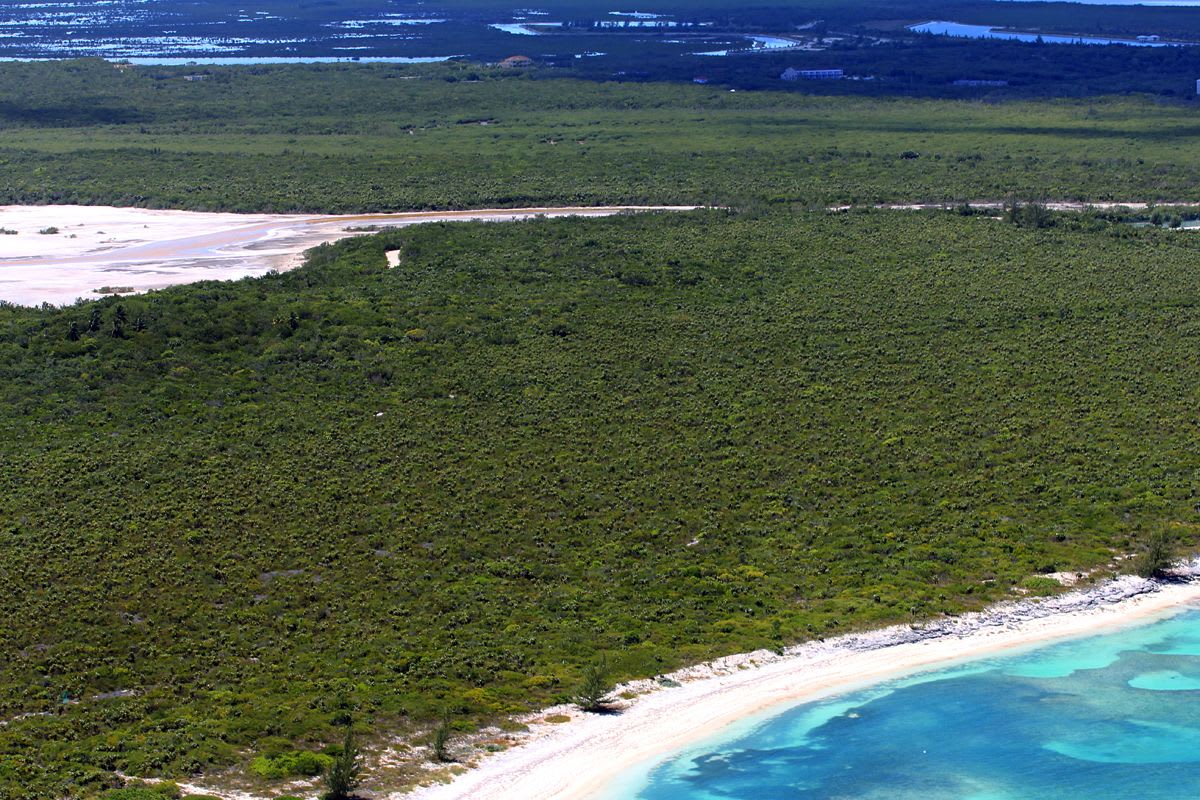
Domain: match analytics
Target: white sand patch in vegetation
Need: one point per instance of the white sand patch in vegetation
(62, 253)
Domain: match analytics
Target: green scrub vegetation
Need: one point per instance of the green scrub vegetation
(347, 138)
(444, 491)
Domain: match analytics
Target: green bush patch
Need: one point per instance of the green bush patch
(292, 764)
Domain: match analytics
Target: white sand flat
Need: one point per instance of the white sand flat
(137, 249)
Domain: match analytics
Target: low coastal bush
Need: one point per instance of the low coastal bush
(292, 764)
(1158, 556)
(158, 791)
(1040, 585)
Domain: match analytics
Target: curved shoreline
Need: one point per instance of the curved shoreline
(585, 757)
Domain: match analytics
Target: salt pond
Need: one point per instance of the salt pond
(945, 28)
(756, 44)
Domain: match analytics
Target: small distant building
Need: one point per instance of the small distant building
(793, 74)
(699, 79)
(975, 82)
(195, 77)
(1152, 37)
(517, 62)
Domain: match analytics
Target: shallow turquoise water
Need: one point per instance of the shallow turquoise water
(1106, 718)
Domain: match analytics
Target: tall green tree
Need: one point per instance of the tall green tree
(440, 746)
(344, 774)
(593, 694)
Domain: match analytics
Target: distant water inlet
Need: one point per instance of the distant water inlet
(1106, 718)
(944, 28)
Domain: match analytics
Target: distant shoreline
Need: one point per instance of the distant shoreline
(583, 758)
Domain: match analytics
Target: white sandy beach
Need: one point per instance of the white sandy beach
(579, 759)
(137, 249)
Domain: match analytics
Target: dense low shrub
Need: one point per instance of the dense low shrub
(849, 420)
(162, 791)
(292, 764)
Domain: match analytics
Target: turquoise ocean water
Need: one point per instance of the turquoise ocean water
(1104, 718)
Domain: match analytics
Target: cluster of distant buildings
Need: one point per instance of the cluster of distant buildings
(793, 74)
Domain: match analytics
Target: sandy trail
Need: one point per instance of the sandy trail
(137, 249)
(582, 758)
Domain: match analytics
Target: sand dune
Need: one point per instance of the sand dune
(138, 249)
